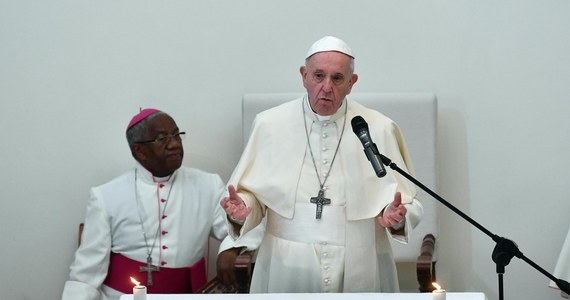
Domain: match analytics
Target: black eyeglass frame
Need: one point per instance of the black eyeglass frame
(164, 139)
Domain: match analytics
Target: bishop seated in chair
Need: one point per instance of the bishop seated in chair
(151, 223)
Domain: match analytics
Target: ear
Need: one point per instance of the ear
(353, 80)
(303, 71)
(137, 152)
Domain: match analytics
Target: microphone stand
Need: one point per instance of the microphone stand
(505, 249)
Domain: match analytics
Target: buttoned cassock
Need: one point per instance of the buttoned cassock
(346, 250)
(112, 223)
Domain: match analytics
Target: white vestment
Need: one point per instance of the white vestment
(346, 250)
(188, 204)
(562, 269)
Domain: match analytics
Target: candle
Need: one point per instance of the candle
(139, 291)
(438, 293)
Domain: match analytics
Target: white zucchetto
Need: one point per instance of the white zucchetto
(329, 43)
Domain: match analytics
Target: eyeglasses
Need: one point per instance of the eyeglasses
(164, 139)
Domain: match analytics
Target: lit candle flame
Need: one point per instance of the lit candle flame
(437, 286)
(135, 281)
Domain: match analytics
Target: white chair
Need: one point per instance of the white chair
(416, 114)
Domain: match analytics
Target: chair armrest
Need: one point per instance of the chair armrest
(80, 234)
(243, 269)
(426, 264)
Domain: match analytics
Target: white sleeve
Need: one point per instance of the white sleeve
(413, 218)
(89, 269)
(219, 227)
(249, 240)
(75, 290)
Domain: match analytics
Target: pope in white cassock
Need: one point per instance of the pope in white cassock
(329, 217)
(151, 223)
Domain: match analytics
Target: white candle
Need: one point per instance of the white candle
(139, 292)
(438, 293)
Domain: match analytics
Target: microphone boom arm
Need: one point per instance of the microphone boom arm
(505, 249)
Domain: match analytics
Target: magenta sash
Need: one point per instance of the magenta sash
(166, 281)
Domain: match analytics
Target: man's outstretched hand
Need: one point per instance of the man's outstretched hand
(234, 206)
(394, 213)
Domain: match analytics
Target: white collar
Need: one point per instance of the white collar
(147, 177)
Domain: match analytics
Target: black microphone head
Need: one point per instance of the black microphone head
(358, 124)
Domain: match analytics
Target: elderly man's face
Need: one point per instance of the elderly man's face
(328, 78)
(161, 158)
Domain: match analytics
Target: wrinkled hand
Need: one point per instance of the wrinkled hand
(234, 206)
(225, 266)
(394, 213)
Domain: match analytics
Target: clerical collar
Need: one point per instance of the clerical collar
(146, 176)
(316, 117)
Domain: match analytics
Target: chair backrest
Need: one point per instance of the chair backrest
(416, 114)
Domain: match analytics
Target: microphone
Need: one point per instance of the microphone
(360, 128)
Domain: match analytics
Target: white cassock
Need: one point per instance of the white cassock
(346, 250)
(562, 269)
(189, 214)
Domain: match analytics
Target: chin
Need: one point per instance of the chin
(174, 164)
(177, 165)
(326, 112)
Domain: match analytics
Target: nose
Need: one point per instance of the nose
(327, 85)
(173, 142)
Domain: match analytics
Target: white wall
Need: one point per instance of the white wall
(72, 73)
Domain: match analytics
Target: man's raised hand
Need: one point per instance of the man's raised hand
(394, 213)
(234, 206)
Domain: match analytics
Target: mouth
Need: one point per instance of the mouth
(174, 156)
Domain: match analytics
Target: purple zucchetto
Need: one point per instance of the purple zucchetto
(143, 114)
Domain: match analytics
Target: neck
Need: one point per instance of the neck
(160, 175)
(153, 176)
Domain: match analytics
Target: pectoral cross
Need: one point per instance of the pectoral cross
(320, 200)
(149, 269)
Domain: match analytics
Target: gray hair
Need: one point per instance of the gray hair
(308, 59)
(137, 132)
